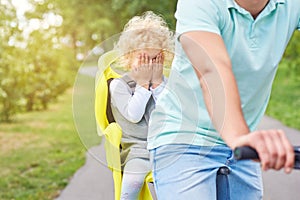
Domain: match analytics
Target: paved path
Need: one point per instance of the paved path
(94, 181)
(278, 185)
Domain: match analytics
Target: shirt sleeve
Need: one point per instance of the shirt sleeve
(158, 90)
(193, 15)
(132, 107)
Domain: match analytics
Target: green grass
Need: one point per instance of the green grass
(39, 152)
(285, 99)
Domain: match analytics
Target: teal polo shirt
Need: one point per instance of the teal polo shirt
(255, 48)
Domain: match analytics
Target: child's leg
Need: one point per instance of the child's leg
(134, 174)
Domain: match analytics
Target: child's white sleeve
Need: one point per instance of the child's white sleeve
(132, 107)
(158, 90)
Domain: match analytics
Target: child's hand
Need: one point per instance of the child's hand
(142, 71)
(157, 67)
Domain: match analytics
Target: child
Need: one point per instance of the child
(143, 45)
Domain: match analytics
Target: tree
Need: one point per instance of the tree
(9, 66)
(126, 9)
(46, 72)
(85, 23)
(34, 66)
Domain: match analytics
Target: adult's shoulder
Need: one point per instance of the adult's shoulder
(196, 5)
(202, 15)
(294, 4)
(293, 11)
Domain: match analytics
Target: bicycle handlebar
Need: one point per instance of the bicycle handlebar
(242, 153)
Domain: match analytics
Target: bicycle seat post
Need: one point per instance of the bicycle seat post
(223, 171)
(222, 184)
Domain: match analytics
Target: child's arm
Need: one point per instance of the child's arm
(158, 89)
(132, 107)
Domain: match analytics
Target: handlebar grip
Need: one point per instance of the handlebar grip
(242, 153)
(297, 157)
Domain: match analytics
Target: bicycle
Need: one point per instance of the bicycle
(242, 153)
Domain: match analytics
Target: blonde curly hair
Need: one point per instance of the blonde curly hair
(148, 31)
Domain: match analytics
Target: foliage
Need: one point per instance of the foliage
(126, 9)
(9, 68)
(35, 63)
(291, 57)
(32, 66)
(88, 23)
(10, 83)
(285, 99)
(85, 23)
(44, 76)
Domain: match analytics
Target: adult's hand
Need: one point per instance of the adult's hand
(272, 146)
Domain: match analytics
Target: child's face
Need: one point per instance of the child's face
(151, 53)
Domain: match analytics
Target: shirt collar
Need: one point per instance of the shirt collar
(233, 4)
(270, 6)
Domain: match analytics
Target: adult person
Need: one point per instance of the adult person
(225, 62)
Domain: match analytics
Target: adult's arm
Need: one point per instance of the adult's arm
(209, 57)
(210, 60)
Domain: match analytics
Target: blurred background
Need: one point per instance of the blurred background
(48, 51)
